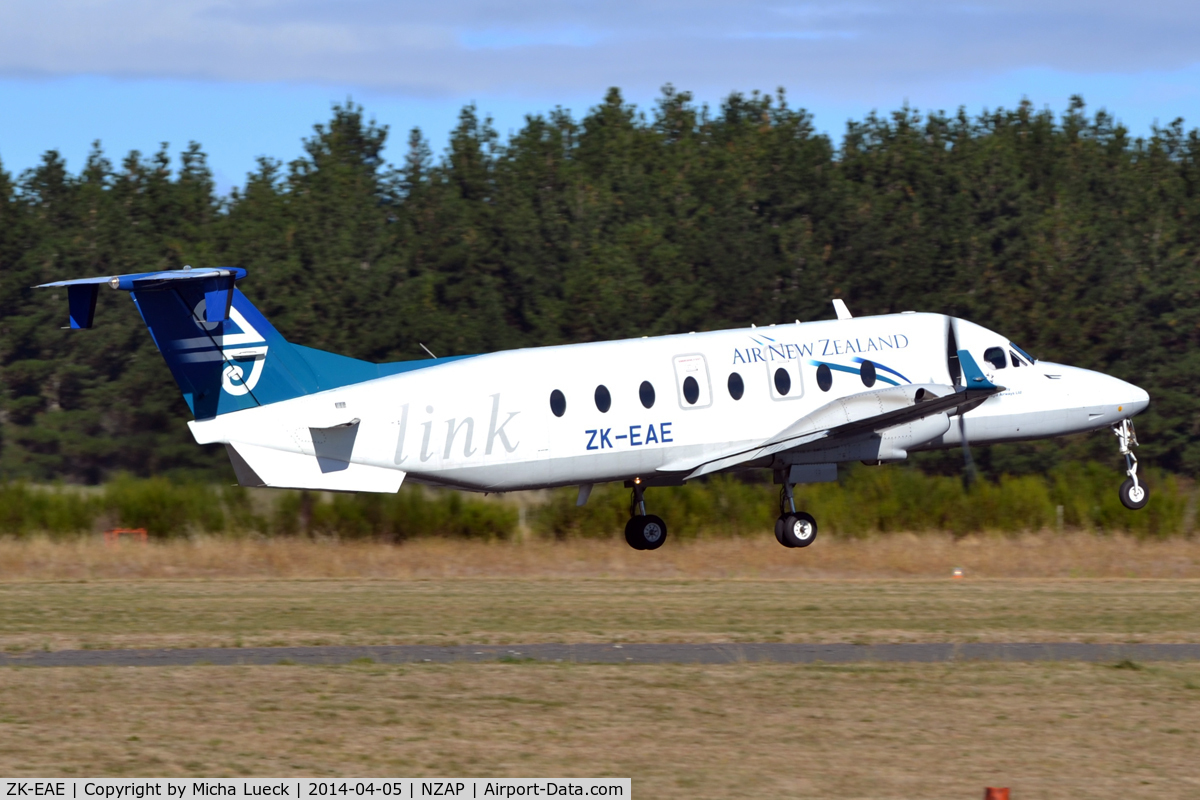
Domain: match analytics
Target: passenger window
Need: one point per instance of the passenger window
(558, 403)
(783, 381)
(867, 371)
(603, 399)
(692, 382)
(824, 377)
(736, 387)
(646, 394)
(995, 357)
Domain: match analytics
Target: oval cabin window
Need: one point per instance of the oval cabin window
(646, 394)
(691, 390)
(824, 377)
(867, 371)
(783, 381)
(558, 403)
(603, 399)
(736, 387)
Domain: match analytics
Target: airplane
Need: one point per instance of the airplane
(797, 399)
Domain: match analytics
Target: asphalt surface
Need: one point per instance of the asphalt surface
(612, 654)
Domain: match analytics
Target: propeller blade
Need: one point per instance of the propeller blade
(968, 462)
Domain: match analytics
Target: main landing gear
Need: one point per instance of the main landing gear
(793, 528)
(1133, 492)
(643, 531)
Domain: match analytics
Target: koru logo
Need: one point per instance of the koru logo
(234, 379)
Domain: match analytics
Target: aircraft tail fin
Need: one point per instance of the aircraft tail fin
(222, 351)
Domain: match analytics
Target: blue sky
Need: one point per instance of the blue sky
(251, 77)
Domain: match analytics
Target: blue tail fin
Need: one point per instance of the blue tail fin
(238, 362)
(224, 354)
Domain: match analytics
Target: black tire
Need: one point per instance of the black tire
(631, 534)
(799, 529)
(1134, 500)
(646, 533)
(779, 532)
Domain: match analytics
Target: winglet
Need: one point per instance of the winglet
(975, 379)
(839, 307)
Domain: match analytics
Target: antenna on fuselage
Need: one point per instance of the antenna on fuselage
(427, 350)
(839, 308)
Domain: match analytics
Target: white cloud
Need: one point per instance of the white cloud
(535, 47)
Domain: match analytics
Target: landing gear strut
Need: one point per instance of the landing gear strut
(1133, 492)
(793, 528)
(643, 531)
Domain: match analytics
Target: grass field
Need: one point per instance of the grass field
(233, 613)
(749, 730)
(1048, 555)
(895, 731)
(84, 595)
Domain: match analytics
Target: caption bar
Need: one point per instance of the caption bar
(201, 788)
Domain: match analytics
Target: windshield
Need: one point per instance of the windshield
(1024, 355)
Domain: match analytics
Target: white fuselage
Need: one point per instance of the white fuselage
(486, 423)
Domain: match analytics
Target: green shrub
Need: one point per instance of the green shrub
(872, 500)
(413, 512)
(25, 509)
(865, 501)
(164, 508)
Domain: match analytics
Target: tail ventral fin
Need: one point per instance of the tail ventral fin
(277, 469)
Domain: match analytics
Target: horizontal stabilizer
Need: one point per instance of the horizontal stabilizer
(216, 284)
(144, 281)
(267, 467)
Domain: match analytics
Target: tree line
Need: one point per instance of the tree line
(1063, 231)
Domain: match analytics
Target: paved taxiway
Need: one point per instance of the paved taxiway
(612, 654)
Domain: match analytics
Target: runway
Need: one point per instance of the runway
(753, 652)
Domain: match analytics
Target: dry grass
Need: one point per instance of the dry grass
(288, 592)
(246, 612)
(894, 556)
(750, 730)
(1045, 730)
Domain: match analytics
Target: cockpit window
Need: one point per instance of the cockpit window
(1028, 358)
(996, 357)
(1015, 361)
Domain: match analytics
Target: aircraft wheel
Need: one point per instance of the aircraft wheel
(631, 534)
(779, 531)
(799, 529)
(645, 533)
(1133, 497)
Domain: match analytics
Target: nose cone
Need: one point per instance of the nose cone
(1138, 399)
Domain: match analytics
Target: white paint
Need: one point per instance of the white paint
(485, 423)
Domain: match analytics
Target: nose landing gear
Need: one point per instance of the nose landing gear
(643, 531)
(1133, 492)
(793, 528)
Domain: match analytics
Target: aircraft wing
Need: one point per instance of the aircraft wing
(853, 417)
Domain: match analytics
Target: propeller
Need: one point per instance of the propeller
(954, 364)
(969, 474)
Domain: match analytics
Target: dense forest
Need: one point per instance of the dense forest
(1079, 241)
